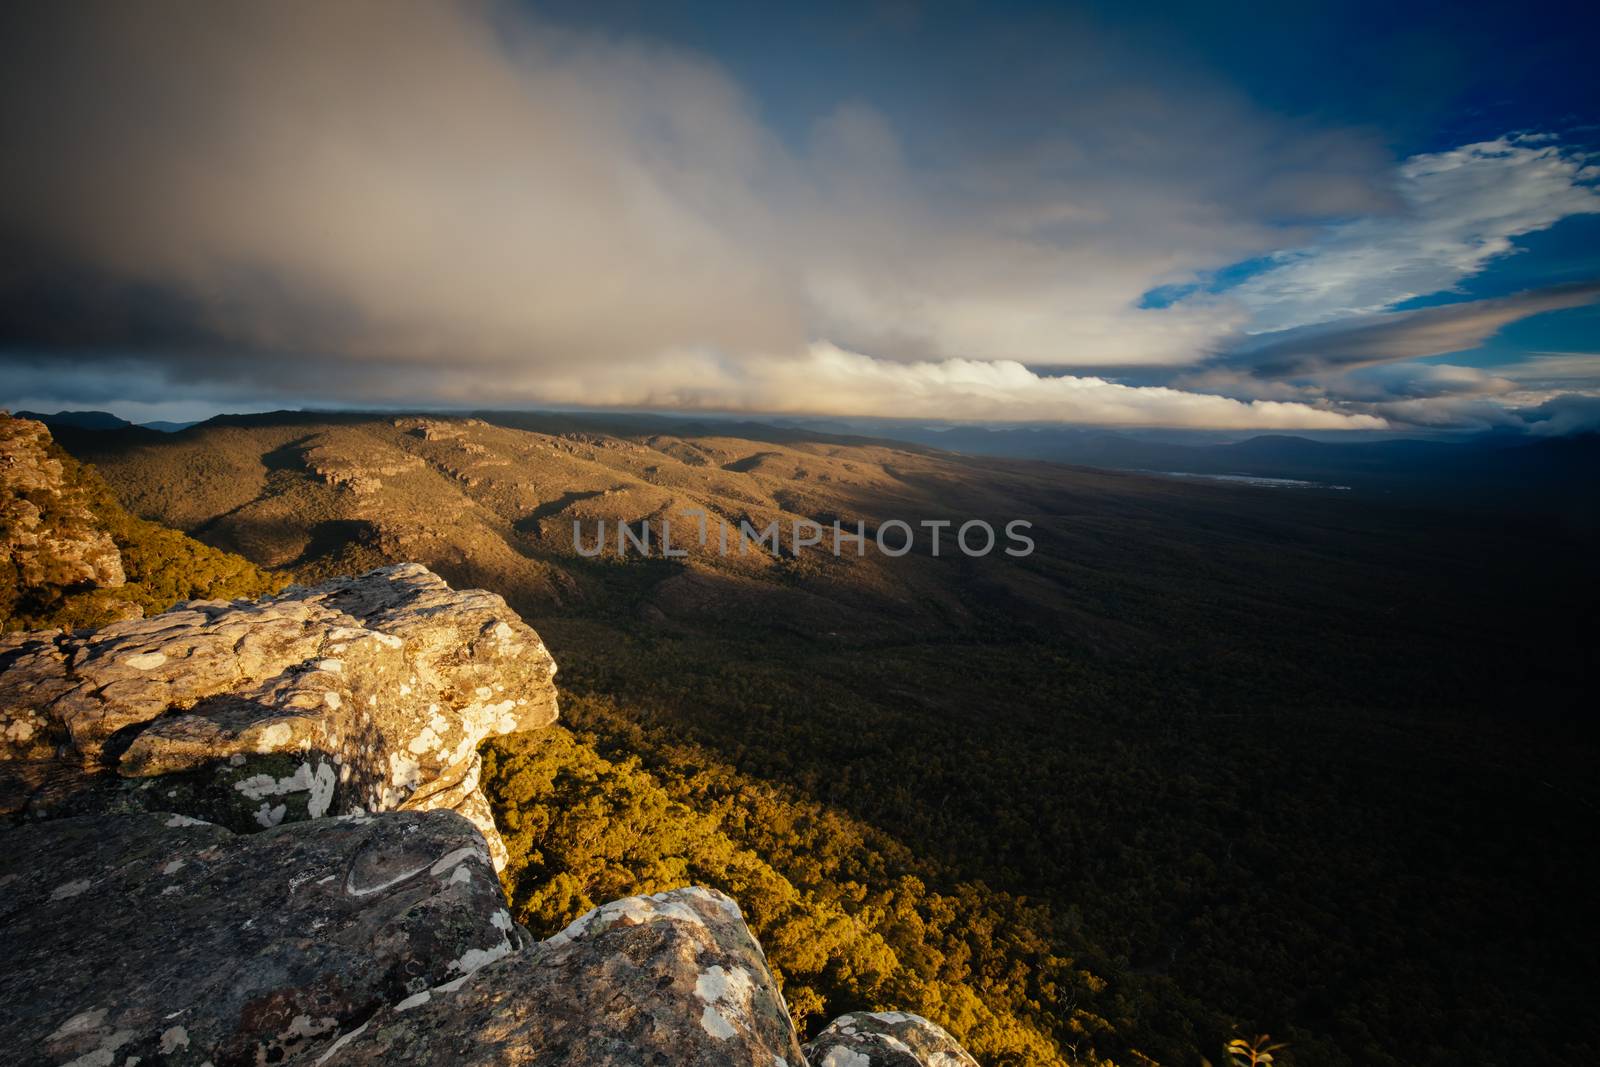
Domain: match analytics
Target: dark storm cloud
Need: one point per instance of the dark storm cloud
(459, 203)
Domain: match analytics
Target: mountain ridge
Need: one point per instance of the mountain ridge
(1473, 472)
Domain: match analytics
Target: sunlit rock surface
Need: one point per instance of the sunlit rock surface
(362, 695)
(198, 877)
(675, 978)
(48, 535)
(885, 1039)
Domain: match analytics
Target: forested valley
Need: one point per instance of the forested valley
(1212, 761)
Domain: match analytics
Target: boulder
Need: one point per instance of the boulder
(361, 695)
(671, 979)
(156, 938)
(885, 1039)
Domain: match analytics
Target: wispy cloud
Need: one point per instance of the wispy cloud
(1401, 335)
(1554, 370)
(1462, 209)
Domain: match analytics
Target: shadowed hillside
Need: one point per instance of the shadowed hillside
(1209, 756)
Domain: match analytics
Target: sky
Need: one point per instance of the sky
(1355, 217)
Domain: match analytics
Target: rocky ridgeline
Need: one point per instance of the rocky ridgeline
(48, 532)
(251, 833)
(363, 477)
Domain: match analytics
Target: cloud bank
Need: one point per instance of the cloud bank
(365, 203)
(826, 379)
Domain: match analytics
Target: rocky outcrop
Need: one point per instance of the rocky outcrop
(436, 429)
(674, 978)
(160, 939)
(885, 1039)
(48, 530)
(362, 477)
(214, 889)
(362, 695)
(72, 557)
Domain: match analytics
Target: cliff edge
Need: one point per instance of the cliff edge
(250, 832)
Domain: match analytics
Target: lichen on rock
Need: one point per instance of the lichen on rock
(133, 937)
(361, 695)
(885, 1039)
(674, 978)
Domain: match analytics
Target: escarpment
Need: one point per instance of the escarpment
(251, 833)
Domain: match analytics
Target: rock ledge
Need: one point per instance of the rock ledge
(363, 695)
(200, 879)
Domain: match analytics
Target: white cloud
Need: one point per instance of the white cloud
(818, 379)
(826, 379)
(1462, 208)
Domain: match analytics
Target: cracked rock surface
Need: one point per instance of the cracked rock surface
(139, 928)
(155, 938)
(670, 979)
(361, 695)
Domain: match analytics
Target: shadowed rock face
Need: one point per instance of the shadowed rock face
(671, 979)
(362, 695)
(885, 1039)
(177, 942)
(154, 938)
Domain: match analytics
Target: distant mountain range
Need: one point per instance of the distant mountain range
(1560, 474)
(98, 420)
(1496, 463)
